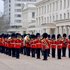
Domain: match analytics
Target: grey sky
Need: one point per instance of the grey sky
(1, 6)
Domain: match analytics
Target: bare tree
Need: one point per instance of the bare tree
(4, 25)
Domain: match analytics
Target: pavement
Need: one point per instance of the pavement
(29, 63)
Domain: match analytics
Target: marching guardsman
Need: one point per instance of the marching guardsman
(38, 45)
(22, 45)
(53, 45)
(69, 46)
(27, 44)
(19, 37)
(59, 46)
(33, 45)
(65, 40)
(45, 46)
(18, 45)
(2, 42)
(49, 39)
(12, 44)
(24, 48)
(6, 44)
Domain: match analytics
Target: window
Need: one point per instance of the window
(60, 16)
(47, 19)
(64, 16)
(56, 17)
(64, 4)
(60, 4)
(17, 15)
(18, 21)
(42, 19)
(68, 3)
(68, 15)
(53, 6)
(33, 14)
(18, 4)
(17, 0)
(17, 10)
(42, 9)
(45, 10)
(53, 18)
(9, 5)
(30, 0)
(9, 1)
(56, 5)
(50, 7)
(50, 18)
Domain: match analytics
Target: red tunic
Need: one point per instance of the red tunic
(53, 44)
(69, 43)
(33, 44)
(38, 43)
(65, 42)
(27, 44)
(2, 42)
(45, 44)
(6, 43)
(18, 43)
(59, 44)
(15, 43)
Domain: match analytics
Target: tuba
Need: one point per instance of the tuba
(27, 38)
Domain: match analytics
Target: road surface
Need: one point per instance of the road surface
(28, 63)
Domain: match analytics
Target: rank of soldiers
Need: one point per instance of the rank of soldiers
(35, 45)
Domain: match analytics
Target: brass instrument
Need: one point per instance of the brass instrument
(45, 43)
(27, 39)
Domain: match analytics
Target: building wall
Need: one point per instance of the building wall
(13, 13)
(51, 11)
(29, 18)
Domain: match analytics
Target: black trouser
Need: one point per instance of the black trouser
(64, 52)
(17, 53)
(33, 52)
(0, 48)
(24, 50)
(28, 51)
(53, 52)
(45, 52)
(59, 53)
(3, 49)
(38, 53)
(21, 50)
(69, 52)
(13, 52)
(9, 51)
(49, 52)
